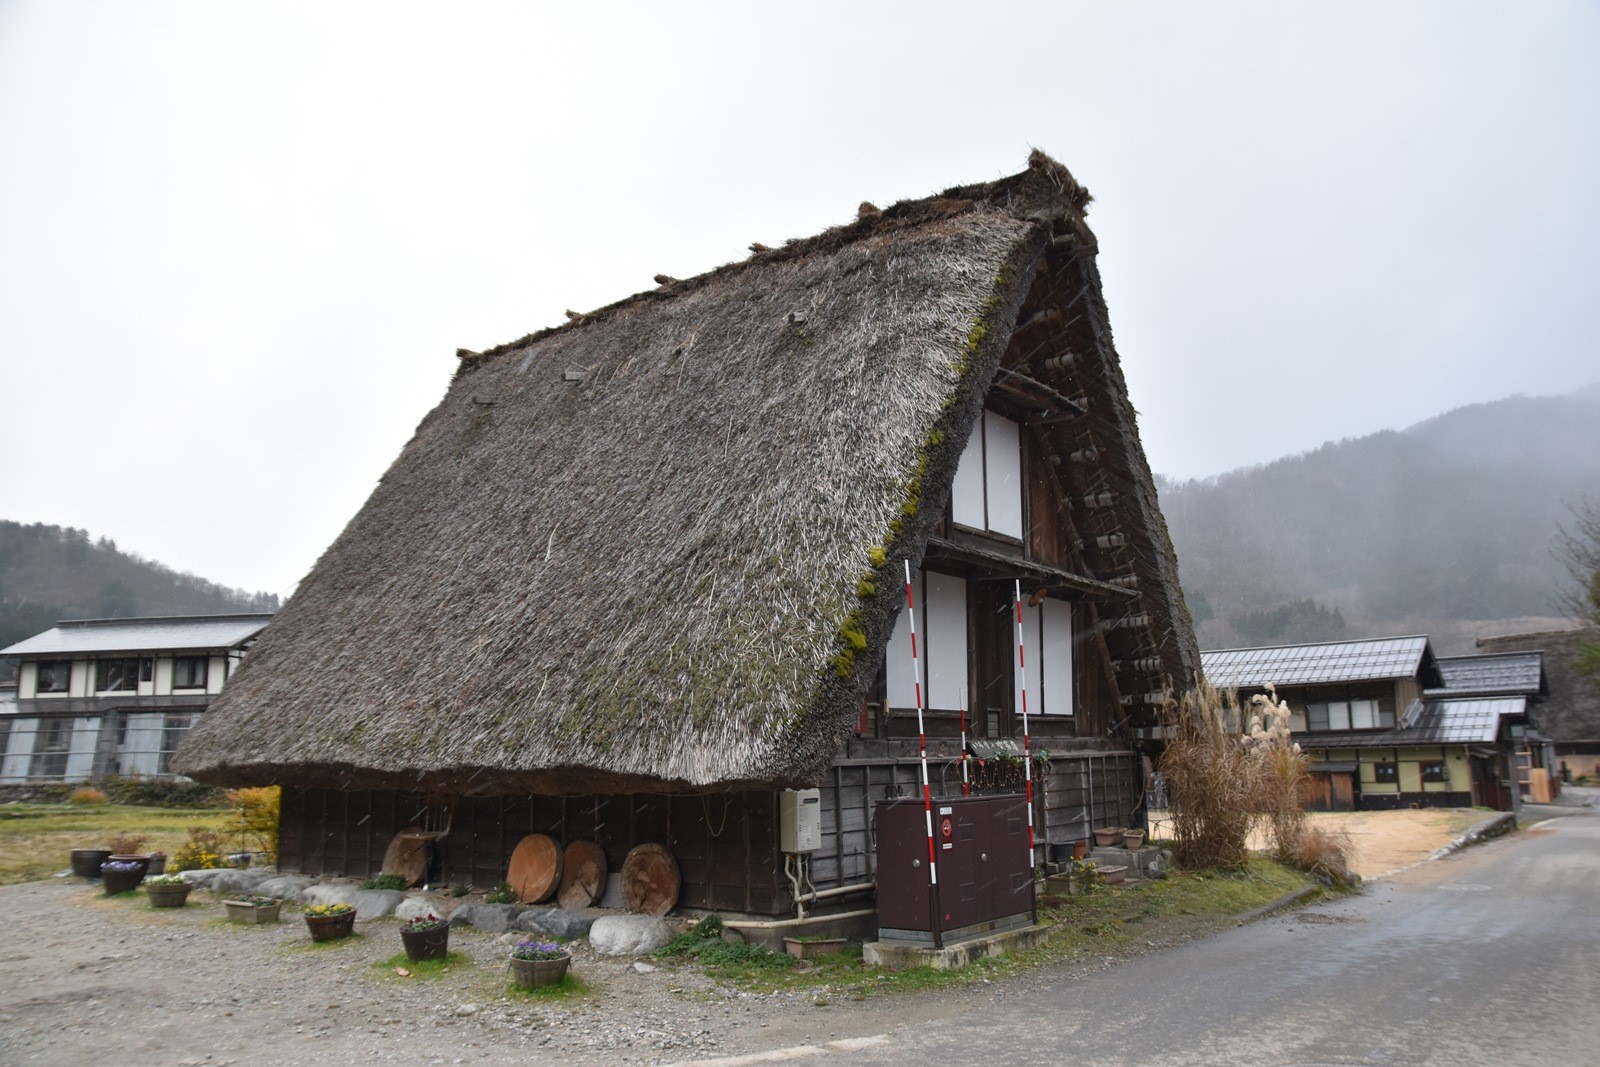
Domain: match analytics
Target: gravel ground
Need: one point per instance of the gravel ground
(83, 974)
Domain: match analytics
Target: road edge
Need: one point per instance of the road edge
(1288, 900)
(1497, 825)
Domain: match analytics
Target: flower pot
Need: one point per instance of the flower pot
(122, 881)
(426, 944)
(530, 974)
(1108, 837)
(1080, 849)
(331, 927)
(1133, 839)
(158, 863)
(242, 911)
(86, 861)
(167, 896)
(802, 949)
(1113, 875)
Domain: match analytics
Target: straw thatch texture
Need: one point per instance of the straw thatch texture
(649, 575)
(659, 547)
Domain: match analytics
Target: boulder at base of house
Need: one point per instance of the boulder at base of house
(495, 918)
(417, 908)
(369, 903)
(628, 935)
(556, 922)
(285, 886)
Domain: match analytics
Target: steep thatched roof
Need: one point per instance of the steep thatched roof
(660, 546)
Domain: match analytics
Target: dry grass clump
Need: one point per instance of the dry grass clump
(1229, 767)
(85, 795)
(1324, 853)
(1211, 778)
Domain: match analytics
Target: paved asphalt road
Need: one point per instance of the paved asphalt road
(1491, 956)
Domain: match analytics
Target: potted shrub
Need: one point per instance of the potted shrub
(122, 875)
(426, 937)
(1108, 836)
(253, 909)
(166, 890)
(330, 922)
(539, 963)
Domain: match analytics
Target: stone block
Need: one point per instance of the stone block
(495, 918)
(628, 935)
(556, 922)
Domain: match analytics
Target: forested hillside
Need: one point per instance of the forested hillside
(1444, 528)
(49, 573)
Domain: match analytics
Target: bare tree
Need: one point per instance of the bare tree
(1578, 548)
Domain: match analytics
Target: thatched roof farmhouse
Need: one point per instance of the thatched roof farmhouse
(660, 548)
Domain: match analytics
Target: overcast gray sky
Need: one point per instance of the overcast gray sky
(239, 244)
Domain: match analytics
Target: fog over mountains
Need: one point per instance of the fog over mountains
(1443, 528)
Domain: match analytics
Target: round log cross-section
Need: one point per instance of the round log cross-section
(650, 880)
(535, 869)
(583, 875)
(407, 855)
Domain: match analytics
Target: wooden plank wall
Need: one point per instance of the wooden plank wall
(726, 844)
(1079, 793)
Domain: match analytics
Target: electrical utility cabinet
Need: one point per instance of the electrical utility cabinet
(799, 820)
(985, 871)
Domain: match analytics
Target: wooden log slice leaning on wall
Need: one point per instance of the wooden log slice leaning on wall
(407, 855)
(583, 875)
(535, 868)
(650, 880)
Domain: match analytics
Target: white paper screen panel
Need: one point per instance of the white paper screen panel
(947, 641)
(1056, 658)
(897, 664)
(1002, 449)
(966, 494)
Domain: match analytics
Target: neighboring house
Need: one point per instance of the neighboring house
(1386, 724)
(114, 696)
(636, 576)
(1570, 718)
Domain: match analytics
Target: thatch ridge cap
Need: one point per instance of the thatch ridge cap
(1043, 190)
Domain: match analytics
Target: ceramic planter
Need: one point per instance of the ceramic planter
(167, 896)
(530, 974)
(1115, 875)
(1133, 839)
(86, 861)
(331, 927)
(242, 911)
(1108, 837)
(803, 949)
(426, 944)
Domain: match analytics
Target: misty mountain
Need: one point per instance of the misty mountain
(1447, 522)
(48, 573)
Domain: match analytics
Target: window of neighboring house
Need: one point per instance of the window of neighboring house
(941, 606)
(1047, 656)
(50, 748)
(189, 672)
(54, 675)
(116, 675)
(1348, 715)
(987, 493)
(1434, 771)
(172, 731)
(1387, 772)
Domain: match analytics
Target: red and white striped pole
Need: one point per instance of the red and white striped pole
(922, 737)
(1022, 699)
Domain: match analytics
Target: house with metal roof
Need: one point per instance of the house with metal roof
(1387, 724)
(114, 696)
(1570, 716)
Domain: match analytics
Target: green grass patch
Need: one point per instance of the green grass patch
(36, 839)
(1105, 922)
(422, 970)
(569, 986)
